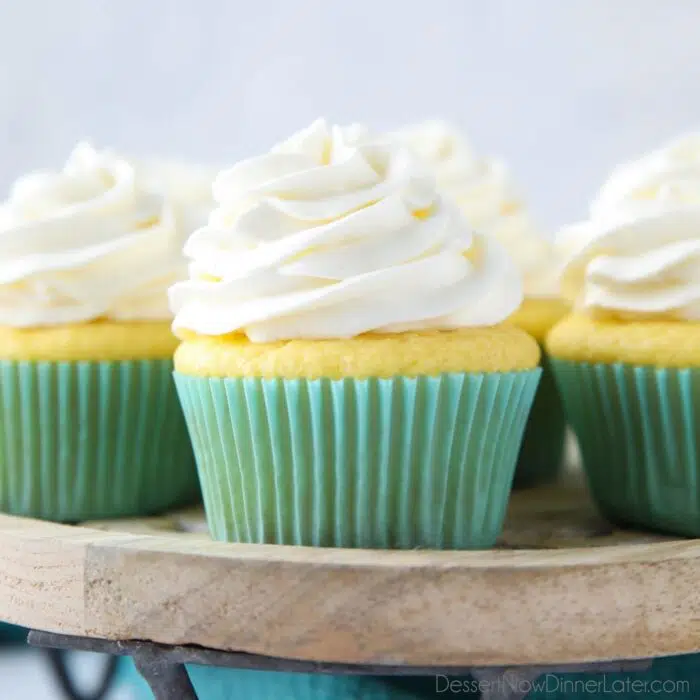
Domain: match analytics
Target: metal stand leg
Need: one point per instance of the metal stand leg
(168, 680)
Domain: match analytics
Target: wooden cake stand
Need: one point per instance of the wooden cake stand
(564, 587)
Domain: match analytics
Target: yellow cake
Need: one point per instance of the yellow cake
(97, 340)
(498, 349)
(658, 343)
(538, 315)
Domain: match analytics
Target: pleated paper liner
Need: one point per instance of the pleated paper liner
(213, 683)
(639, 433)
(377, 463)
(542, 453)
(87, 440)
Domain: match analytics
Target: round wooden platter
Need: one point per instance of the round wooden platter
(562, 587)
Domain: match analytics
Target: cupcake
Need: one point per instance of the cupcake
(485, 192)
(345, 373)
(627, 359)
(91, 424)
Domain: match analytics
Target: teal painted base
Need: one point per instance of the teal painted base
(213, 683)
(9, 634)
(675, 677)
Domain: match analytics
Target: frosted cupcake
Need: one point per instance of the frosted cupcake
(485, 192)
(345, 373)
(91, 425)
(627, 359)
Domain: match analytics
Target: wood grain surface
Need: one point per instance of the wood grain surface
(563, 587)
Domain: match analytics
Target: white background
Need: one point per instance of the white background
(26, 676)
(563, 88)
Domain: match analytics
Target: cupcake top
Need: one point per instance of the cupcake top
(332, 234)
(186, 187)
(84, 243)
(485, 191)
(638, 254)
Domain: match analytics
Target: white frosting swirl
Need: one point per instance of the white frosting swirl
(537, 258)
(482, 187)
(334, 234)
(638, 255)
(186, 187)
(486, 193)
(86, 243)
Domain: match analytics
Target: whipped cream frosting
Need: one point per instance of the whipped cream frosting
(638, 254)
(485, 191)
(333, 234)
(482, 187)
(186, 187)
(86, 243)
(537, 258)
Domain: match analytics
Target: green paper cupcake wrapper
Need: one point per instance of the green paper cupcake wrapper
(542, 453)
(87, 440)
(376, 463)
(639, 433)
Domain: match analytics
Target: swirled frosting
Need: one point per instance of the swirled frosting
(186, 187)
(333, 234)
(638, 254)
(86, 243)
(486, 193)
(481, 187)
(537, 258)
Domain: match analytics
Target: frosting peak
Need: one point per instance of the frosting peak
(84, 243)
(638, 254)
(187, 189)
(481, 187)
(333, 234)
(486, 194)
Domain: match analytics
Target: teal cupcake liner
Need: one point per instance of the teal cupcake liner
(639, 433)
(215, 683)
(374, 463)
(542, 453)
(88, 440)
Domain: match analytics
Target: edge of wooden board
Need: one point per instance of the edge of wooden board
(354, 606)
